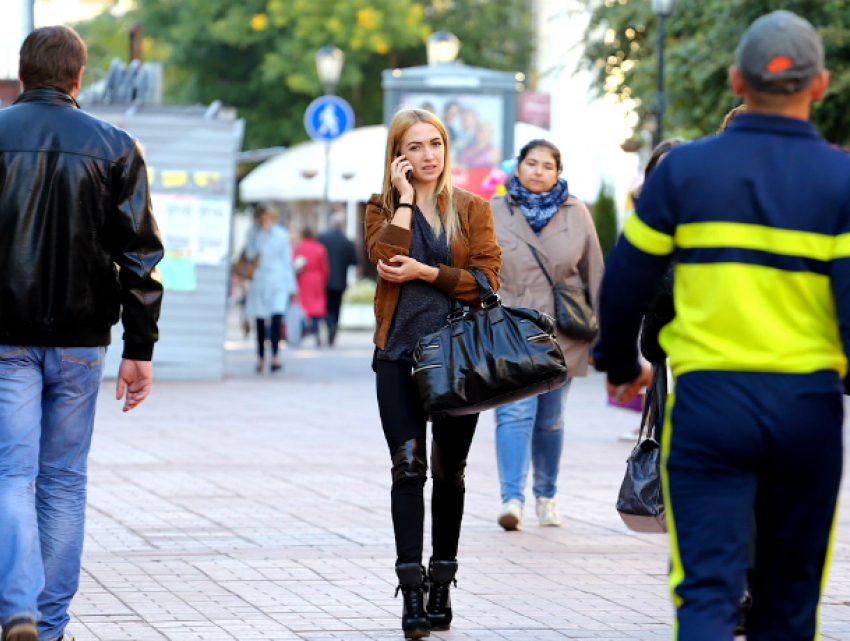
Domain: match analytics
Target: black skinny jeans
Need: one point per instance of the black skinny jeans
(404, 423)
(277, 319)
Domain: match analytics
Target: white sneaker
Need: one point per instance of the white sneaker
(510, 517)
(547, 513)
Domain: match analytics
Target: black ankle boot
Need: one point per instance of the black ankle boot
(440, 575)
(411, 582)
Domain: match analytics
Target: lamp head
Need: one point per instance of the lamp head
(442, 48)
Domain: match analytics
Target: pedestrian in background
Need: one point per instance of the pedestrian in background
(757, 219)
(423, 235)
(313, 272)
(74, 204)
(341, 255)
(538, 214)
(273, 284)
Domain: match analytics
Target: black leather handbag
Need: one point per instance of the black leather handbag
(490, 357)
(573, 311)
(641, 499)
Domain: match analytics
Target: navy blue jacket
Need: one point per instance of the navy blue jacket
(758, 219)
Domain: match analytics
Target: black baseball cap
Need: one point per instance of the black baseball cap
(780, 53)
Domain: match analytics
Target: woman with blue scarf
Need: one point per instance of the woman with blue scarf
(539, 215)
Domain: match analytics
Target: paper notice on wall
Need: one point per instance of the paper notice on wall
(213, 239)
(196, 227)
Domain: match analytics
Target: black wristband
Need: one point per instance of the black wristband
(404, 205)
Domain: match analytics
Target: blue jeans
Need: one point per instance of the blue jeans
(47, 405)
(531, 430)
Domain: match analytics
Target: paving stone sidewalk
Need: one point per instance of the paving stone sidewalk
(258, 508)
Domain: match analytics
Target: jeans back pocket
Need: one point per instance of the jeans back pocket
(11, 358)
(82, 366)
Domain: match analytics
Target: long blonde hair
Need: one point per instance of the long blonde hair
(403, 120)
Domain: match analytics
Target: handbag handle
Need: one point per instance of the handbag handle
(654, 404)
(489, 298)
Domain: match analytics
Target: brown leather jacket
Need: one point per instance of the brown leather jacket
(475, 246)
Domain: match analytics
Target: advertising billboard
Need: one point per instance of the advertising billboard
(475, 124)
(477, 106)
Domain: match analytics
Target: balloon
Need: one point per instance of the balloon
(487, 192)
(501, 190)
(509, 165)
(498, 175)
(488, 187)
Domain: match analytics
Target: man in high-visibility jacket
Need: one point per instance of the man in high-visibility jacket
(758, 219)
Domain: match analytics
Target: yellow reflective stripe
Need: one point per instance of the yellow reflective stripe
(758, 237)
(677, 570)
(646, 238)
(842, 246)
(752, 318)
(827, 562)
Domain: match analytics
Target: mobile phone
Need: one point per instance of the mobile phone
(409, 174)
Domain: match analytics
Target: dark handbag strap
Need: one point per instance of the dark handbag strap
(540, 262)
(647, 415)
(654, 403)
(489, 301)
(488, 296)
(533, 251)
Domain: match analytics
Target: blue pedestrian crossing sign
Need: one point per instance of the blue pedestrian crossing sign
(328, 117)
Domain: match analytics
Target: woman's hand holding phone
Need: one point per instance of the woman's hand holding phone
(402, 172)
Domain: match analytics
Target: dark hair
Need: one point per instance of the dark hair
(540, 143)
(655, 157)
(264, 208)
(52, 57)
(307, 232)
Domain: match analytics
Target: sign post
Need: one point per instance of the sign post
(326, 119)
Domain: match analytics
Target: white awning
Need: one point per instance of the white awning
(356, 170)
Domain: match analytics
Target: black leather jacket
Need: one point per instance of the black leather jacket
(78, 241)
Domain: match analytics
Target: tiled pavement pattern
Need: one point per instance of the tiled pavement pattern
(258, 508)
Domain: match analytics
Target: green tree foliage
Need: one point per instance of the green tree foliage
(494, 34)
(605, 218)
(259, 55)
(702, 36)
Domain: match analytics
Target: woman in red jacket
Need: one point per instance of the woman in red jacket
(312, 277)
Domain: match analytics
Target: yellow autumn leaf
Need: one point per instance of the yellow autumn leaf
(380, 46)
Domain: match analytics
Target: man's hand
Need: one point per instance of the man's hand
(135, 377)
(622, 394)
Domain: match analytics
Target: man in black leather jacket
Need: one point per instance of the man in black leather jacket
(78, 250)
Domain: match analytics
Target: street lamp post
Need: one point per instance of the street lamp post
(442, 48)
(662, 9)
(329, 61)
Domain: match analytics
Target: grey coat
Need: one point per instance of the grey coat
(568, 247)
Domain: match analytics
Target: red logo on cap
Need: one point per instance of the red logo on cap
(780, 64)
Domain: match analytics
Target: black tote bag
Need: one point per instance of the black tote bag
(490, 357)
(641, 499)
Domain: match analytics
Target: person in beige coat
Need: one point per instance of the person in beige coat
(539, 212)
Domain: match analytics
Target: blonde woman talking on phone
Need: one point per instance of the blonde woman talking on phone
(423, 236)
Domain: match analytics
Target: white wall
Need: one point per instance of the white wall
(14, 27)
(587, 130)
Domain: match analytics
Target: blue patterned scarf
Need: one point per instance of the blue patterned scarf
(538, 209)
